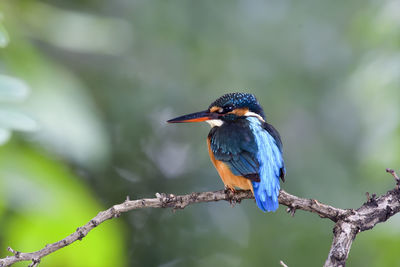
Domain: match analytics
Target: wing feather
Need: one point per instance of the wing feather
(234, 144)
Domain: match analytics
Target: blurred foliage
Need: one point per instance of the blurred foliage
(13, 90)
(104, 76)
(45, 204)
(4, 38)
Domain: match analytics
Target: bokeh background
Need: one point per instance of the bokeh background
(86, 88)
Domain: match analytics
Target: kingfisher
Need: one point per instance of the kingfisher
(244, 148)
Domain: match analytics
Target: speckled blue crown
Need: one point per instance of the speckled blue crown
(239, 100)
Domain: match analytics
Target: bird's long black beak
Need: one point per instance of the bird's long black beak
(194, 117)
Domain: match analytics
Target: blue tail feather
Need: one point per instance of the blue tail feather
(271, 162)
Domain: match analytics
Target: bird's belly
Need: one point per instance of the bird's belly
(228, 178)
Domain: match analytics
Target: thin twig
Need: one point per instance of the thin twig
(364, 218)
(395, 176)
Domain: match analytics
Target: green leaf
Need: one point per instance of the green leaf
(12, 89)
(4, 38)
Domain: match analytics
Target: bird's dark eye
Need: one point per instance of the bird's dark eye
(228, 109)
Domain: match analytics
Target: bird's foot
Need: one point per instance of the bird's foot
(230, 192)
(228, 189)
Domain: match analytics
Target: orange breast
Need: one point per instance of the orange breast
(228, 178)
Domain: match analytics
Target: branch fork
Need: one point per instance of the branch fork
(348, 222)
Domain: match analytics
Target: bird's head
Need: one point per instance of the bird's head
(228, 107)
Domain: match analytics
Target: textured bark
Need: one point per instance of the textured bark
(349, 222)
(343, 236)
(374, 211)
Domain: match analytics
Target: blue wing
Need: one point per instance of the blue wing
(235, 144)
(252, 149)
(271, 168)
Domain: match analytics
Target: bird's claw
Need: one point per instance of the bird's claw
(228, 189)
(230, 192)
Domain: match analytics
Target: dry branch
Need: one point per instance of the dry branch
(349, 222)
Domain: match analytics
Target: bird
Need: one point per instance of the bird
(244, 148)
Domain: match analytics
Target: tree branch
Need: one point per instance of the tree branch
(349, 222)
(374, 211)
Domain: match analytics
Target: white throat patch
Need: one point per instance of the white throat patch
(214, 123)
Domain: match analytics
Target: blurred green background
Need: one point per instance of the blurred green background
(86, 88)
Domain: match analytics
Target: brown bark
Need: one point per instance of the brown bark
(349, 222)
